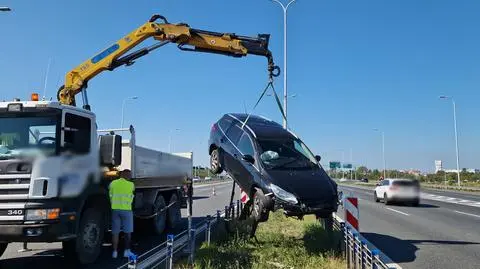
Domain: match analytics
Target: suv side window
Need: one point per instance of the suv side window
(234, 133)
(385, 183)
(245, 145)
(225, 123)
(77, 133)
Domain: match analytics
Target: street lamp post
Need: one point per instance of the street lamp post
(123, 107)
(383, 153)
(285, 93)
(170, 140)
(456, 136)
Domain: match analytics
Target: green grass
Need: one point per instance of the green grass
(282, 243)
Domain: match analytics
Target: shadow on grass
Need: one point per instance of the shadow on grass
(224, 256)
(317, 241)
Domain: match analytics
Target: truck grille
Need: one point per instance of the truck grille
(14, 186)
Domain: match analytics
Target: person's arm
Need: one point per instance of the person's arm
(110, 194)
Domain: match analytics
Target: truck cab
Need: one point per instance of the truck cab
(55, 168)
(49, 170)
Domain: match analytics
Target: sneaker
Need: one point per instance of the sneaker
(127, 253)
(114, 254)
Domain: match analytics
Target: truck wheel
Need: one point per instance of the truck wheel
(174, 213)
(259, 211)
(215, 163)
(86, 248)
(3, 247)
(159, 221)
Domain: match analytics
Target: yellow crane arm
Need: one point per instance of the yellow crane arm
(187, 38)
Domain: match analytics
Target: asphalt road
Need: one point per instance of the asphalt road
(442, 232)
(49, 255)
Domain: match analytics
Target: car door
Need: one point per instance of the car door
(244, 170)
(381, 189)
(228, 143)
(385, 185)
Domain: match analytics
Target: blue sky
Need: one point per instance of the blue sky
(354, 65)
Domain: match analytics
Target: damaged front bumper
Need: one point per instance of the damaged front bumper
(300, 209)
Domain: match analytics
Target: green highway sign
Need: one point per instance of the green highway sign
(335, 165)
(347, 165)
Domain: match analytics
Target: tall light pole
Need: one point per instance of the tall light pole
(123, 107)
(383, 153)
(456, 136)
(170, 140)
(285, 92)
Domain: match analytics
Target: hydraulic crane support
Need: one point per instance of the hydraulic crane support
(187, 38)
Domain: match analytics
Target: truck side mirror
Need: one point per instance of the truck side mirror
(248, 158)
(110, 150)
(318, 158)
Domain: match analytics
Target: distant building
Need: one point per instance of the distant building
(414, 172)
(468, 170)
(438, 166)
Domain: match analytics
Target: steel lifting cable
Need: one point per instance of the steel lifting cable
(269, 85)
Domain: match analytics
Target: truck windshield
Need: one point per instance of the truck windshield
(286, 154)
(28, 136)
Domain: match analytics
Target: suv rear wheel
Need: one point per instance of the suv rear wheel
(215, 163)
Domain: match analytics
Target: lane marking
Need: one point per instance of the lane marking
(468, 214)
(400, 212)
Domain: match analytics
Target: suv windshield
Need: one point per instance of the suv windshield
(286, 154)
(28, 137)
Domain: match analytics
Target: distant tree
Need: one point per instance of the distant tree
(362, 170)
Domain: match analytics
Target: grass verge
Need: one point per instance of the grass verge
(282, 243)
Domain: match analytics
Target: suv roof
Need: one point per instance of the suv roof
(261, 127)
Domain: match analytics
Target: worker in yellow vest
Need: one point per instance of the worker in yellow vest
(121, 198)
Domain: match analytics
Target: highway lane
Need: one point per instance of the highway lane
(441, 233)
(49, 255)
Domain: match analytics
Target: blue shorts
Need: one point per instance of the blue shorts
(122, 220)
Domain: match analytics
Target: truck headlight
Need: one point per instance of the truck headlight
(43, 214)
(283, 195)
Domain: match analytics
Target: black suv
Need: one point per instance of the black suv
(272, 165)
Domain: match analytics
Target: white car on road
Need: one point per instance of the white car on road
(398, 190)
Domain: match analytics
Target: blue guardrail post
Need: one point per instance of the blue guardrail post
(375, 257)
(170, 238)
(207, 235)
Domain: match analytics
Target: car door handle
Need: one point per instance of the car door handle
(222, 140)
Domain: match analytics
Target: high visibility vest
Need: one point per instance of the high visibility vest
(121, 194)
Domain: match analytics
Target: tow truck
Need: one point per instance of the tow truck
(55, 165)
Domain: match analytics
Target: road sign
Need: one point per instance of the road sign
(347, 165)
(335, 165)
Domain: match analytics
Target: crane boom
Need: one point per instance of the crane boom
(187, 38)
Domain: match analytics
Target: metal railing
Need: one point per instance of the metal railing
(184, 241)
(359, 252)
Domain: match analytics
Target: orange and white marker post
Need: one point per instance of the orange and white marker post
(244, 197)
(351, 212)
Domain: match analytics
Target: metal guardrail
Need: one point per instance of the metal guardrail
(165, 252)
(359, 252)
